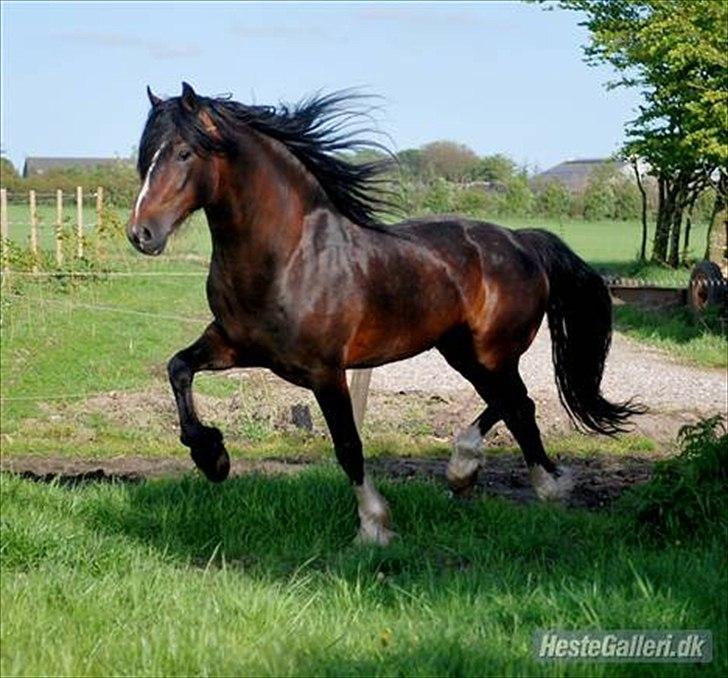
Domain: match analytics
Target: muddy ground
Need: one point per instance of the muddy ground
(598, 480)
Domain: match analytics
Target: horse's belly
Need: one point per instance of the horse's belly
(393, 330)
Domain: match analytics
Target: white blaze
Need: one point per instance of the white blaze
(147, 180)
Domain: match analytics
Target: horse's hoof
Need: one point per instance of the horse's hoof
(370, 536)
(555, 486)
(210, 456)
(462, 478)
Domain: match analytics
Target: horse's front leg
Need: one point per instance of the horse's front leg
(332, 395)
(212, 351)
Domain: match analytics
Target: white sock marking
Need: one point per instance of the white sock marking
(549, 487)
(374, 514)
(466, 456)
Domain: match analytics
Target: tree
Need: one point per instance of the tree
(494, 168)
(675, 52)
(9, 177)
(412, 163)
(553, 200)
(518, 198)
(643, 201)
(449, 160)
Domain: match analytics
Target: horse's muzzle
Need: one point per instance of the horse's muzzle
(144, 239)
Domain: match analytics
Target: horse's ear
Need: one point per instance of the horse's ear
(153, 98)
(189, 98)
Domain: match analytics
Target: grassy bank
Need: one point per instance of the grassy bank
(700, 340)
(258, 577)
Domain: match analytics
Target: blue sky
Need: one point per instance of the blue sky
(497, 76)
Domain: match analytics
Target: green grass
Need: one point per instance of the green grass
(258, 576)
(696, 339)
(611, 246)
(94, 337)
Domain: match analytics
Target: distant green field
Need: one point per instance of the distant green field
(608, 245)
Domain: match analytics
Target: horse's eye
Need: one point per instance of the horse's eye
(185, 155)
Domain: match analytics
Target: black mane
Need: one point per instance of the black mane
(317, 131)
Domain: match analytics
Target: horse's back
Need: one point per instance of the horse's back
(503, 283)
(500, 250)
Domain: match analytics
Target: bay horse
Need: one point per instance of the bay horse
(306, 281)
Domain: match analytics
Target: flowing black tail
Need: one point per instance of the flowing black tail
(580, 321)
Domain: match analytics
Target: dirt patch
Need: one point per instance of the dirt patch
(599, 480)
(252, 404)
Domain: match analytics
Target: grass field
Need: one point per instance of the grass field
(609, 245)
(63, 341)
(258, 576)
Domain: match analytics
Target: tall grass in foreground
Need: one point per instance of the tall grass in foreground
(259, 576)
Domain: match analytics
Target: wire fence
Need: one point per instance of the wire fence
(43, 242)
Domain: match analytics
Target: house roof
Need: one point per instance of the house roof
(575, 174)
(39, 165)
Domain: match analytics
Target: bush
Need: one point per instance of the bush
(439, 197)
(687, 495)
(518, 198)
(598, 200)
(120, 182)
(627, 200)
(473, 202)
(553, 200)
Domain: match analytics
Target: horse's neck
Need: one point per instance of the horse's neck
(259, 216)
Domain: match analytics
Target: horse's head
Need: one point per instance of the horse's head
(177, 176)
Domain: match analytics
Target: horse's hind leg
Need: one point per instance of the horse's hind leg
(462, 469)
(467, 455)
(519, 413)
(507, 399)
(211, 351)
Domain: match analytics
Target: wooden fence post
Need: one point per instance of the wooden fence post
(33, 229)
(79, 222)
(359, 389)
(99, 204)
(4, 233)
(59, 227)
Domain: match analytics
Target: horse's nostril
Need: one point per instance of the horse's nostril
(146, 233)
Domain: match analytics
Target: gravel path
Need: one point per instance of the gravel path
(633, 369)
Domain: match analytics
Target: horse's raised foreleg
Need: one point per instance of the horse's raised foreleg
(211, 351)
(332, 395)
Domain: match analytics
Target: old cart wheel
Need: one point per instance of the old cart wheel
(706, 287)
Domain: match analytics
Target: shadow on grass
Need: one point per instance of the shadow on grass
(273, 526)
(465, 584)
